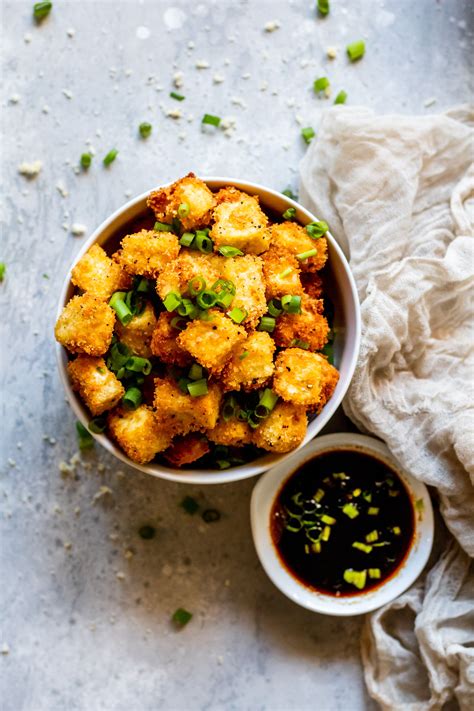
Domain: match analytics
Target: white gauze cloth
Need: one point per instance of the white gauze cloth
(398, 195)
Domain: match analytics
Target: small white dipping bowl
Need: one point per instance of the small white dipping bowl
(265, 494)
(341, 289)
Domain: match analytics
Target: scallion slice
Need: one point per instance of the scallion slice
(198, 387)
(186, 307)
(373, 510)
(162, 227)
(175, 95)
(85, 439)
(183, 210)
(136, 364)
(266, 403)
(132, 398)
(3, 269)
(289, 193)
(97, 425)
(223, 285)
(244, 355)
(179, 323)
(86, 160)
(145, 129)
(230, 251)
(356, 577)
(267, 323)
(356, 50)
(321, 84)
(298, 343)
(323, 7)
(362, 547)
(317, 229)
(350, 510)
(289, 214)
(110, 157)
(187, 238)
(286, 272)
(41, 10)
(196, 285)
(206, 299)
(117, 302)
(202, 242)
(308, 134)
(274, 308)
(224, 300)
(319, 495)
(229, 408)
(341, 98)
(238, 315)
(306, 255)
(172, 301)
(372, 537)
(375, 573)
(195, 372)
(211, 120)
(291, 303)
(330, 520)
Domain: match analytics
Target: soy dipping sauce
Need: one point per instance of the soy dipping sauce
(343, 523)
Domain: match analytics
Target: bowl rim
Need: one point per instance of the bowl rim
(244, 471)
(263, 497)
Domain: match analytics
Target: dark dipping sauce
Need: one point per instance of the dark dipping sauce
(338, 499)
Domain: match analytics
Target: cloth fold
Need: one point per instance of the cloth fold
(398, 194)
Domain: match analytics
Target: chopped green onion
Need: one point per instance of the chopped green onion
(223, 285)
(317, 229)
(291, 304)
(41, 10)
(243, 355)
(117, 302)
(397, 530)
(362, 547)
(373, 511)
(286, 272)
(190, 505)
(375, 573)
(298, 343)
(211, 120)
(326, 533)
(294, 525)
(319, 495)
(357, 492)
(340, 475)
(183, 210)
(313, 534)
(381, 544)
(198, 387)
(372, 537)
(86, 160)
(419, 505)
(228, 409)
(266, 403)
(145, 129)
(110, 157)
(306, 255)
(146, 532)
(267, 323)
(289, 214)
(210, 515)
(274, 308)
(367, 496)
(323, 7)
(350, 510)
(330, 520)
(3, 269)
(118, 356)
(195, 372)
(139, 365)
(289, 193)
(206, 299)
(172, 301)
(162, 227)
(356, 50)
(230, 252)
(187, 238)
(223, 463)
(183, 385)
(181, 617)
(179, 322)
(178, 97)
(97, 425)
(202, 242)
(225, 300)
(238, 315)
(85, 439)
(186, 307)
(141, 285)
(356, 577)
(308, 134)
(341, 98)
(321, 84)
(196, 285)
(316, 547)
(132, 398)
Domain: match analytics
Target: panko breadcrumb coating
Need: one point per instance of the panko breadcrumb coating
(138, 433)
(147, 252)
(187, 449)
(232, 433)
(86, 325)
(164, 344)
(179, 413)
(309, 326)
(251, 364)
(239, 222)
(293, 238)
(300, 377)
(190, 191)
(246, 275)
(138, 333)
(96, 384)
(330, 378)
(284, 428)
(211, 342)
(312, 284)
(188, 265)
(99, 275)
(282, 274)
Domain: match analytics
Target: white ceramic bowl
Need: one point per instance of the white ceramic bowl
(265, 493)
(342, 291)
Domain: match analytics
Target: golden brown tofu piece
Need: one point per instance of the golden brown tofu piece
(312, 284)
(309, 326)
(86, 325)
(233, 433)
(303, 378)
(330, 378)
(211, 342)
(138, 333)
(247, 277)
(251, 364)
(239, 222)
(99, 275)
(147, 252)
(293, 238)
(188, 265)
(284, 428)
(186, 450)
(190, 191)
(138, 433)
(96, 384)
(180, 413)
(164, 344)
(282, 274)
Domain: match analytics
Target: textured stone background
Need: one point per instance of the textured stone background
(74, 635)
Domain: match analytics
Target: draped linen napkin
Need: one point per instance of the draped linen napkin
(398, 195)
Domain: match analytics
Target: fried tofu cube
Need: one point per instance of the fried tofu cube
(309, 326)
(293, 238)
(330, 378)
(86, 325)
(211, 342)
(185, 450)
(138, 333)
(282, 274)
(190, 191)
(251, 364)
(247, 276)
(284, 428)
(96, 384)
(302, 377)
(147, 252)
(232, 433)
(188, 265)
(138, 433)
(180, 413)
(239, 222)
(164, 344)
(99, 275)
(312, 284)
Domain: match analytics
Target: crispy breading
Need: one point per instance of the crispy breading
(190, 191)
(330, 378)
(188, 265)
(283, 429)
(293, 238)
(233, 433)
(302, 377)
(211, 342)
(239, 222)
(164, 344)
(310, 326)
(278, 282)
(138, 433)
(187, 449)
(312, 284)
(251, 364)
(147, 252)
(138, 333)
(247, 277)
(180, 413)
(86, 325)
(96, 384)
(99, 275)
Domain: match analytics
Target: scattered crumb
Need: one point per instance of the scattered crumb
(271, 26)
(68, 93)
(15, 99)
(264, 86)
(5, 649)
(71, 32)
(101, 468)
(327, 92)
(46, 109)
(220, 660)
(27, 38)
(227, 583)
(77, 511)
(103, 491)
(202, 64)
(128, 193)
(174, 113)
(167, 570)
(218, 78)
(331, 52)
(19, 445)
(67, 545)
(62, 190)
(299, 119)
(191, 44)
(227, 125)
(246, 76)
(11, 462)
(30, 170)
(77, 229)
(238, 102)
(128, 554)
(430, 102)
(120, 576)
(178, 79)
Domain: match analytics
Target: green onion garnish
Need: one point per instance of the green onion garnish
(291, 304)
(223, 285)
(286, 272)
(289, 214)
(86, 160)
(350, 510)
(206, 299)
(186, 307)
(362, 547)
(223, 463)
(229, 408)
(319, 495)
(110, 157)
(323, 7)
(375, 573)
(145, 129)
(132, 398)
(306, 255)
(397, 530)
(187, 238)
(317, 229)
(289, 193)
(373, 511)
(320, 84)
(326, 533)
(3, 269)
(198, 387)
(196, 285)
(179, 323)
(230, 252)
(195, 372)
(117, 302)
(118, 356)
(181, 617)
(308, 134)
(225, 300)
(357, 492)
(171, 301)
(274, 308)
(266, 403)
(340, 475)
(298, 343)
(202, 242)
(141, 285)
(243, 355)
(238, 315)
(356, 577)
(267, 323)
(372, 537)
(367, 496)
(330, 520)
(294, 525)
(85, 439)
(341, 98)
(146, 532)
(175, 95)
(97, 425)
(138, 365)
(183, 210)
(190, 505)
(41, 10)
(211, 120)
(356, 50)
(162, 227)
